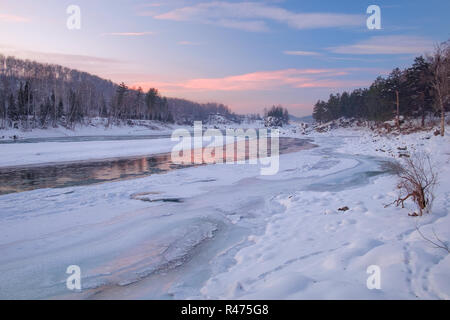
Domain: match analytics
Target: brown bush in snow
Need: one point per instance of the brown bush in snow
(417, 180)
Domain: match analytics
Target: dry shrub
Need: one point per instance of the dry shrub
(417, 180)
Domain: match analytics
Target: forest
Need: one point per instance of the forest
(41, 95)
(418, 91)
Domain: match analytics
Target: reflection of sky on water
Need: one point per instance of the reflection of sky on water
(90, 172)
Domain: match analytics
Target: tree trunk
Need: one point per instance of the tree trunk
(398, 110)
(442, 120)
(423, 117)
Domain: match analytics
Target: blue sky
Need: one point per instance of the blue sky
(246, 54)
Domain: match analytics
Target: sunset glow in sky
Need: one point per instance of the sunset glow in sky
(248, 55)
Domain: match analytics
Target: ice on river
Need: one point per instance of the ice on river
(233, 234)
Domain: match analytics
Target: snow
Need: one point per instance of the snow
(325, 255)
(95, 127)
(42, 147)
(235, 234)
(44, 152)
(49, 152)
(98, 127)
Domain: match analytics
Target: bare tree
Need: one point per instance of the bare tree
(33, 93)
(440, 68)
(417, 180)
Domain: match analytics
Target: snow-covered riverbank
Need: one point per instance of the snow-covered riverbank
(95, 127)
(43, 145)
(235, 234)
(94, 142)
(99, 127)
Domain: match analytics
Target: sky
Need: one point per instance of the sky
(249, 55)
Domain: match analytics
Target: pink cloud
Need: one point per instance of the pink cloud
(128, 34)
(264, 80)
(334, 84)
(12, 18)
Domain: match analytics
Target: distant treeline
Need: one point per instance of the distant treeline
(34, 94)
(276, 116)
(416, 91)
(187, 111)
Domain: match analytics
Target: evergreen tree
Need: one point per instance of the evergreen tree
(418, 84)
(319, 112)
(150, 100)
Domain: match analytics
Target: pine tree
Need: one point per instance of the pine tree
(319, 112)
(150, 100)
(418, 83)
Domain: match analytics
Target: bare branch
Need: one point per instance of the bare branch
(437, 244)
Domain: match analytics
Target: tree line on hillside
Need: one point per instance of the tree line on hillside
(188, 111)
(417, 91)
(34, 94)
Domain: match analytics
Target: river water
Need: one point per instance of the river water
(59, 175)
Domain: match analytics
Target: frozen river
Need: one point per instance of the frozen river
(87, 172)
(130, 243)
